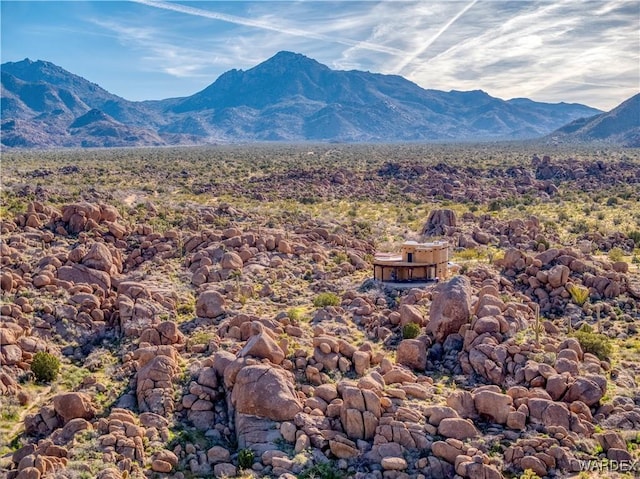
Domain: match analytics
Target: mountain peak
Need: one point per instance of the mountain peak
(285, 60)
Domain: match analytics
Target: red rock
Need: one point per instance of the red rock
(210, 304)
(79, 273)
(457, 428)
(450, 309)
(73, 405)
(160, 466)
(412, 353)
(255, 383)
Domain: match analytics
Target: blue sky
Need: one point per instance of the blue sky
(563, 50)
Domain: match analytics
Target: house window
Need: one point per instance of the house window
(409, 257)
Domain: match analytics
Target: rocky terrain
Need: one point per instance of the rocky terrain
(214, 314)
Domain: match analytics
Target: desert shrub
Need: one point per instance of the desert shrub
(326, 299)
(578, 227)
(201, 337)
(529, 474)
(187, 308)
(468, 254)
(45, 366)
(340, 257)
(616, 254)
(410, 331)
(295, 314)
(323, 470)
(635, 236)
(579, 294)
(495, 205)
(594, 343)
(245, 458)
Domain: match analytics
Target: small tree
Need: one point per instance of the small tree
(45, 366)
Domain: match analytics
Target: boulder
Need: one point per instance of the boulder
(393, 463)
(450, 309)
(342, 450)
(255, 383)
(169, 333)
(410, 314)
(534, 464)
(231, 260)
(457, 428)
(262, 346)
(80, 273)
(154, 387)
(440, 222)
(210, 304)
(494, 405)
(412, 353)
(558, 275)
(73, 405)
(99, 257)
(588, 389)
(224, 469)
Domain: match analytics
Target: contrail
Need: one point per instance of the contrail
(421, 50)
(223, 17)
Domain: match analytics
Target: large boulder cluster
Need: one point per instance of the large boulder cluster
(223, 362)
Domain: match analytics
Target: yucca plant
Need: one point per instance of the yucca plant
(579, 294)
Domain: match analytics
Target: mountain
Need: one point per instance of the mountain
(620, 125)
(42, 105)
(288, 97)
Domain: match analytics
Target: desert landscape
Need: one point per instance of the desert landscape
(198, 312)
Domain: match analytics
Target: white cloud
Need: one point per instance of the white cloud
(266, 25)
(535, 49)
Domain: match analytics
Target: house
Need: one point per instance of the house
(416, 262)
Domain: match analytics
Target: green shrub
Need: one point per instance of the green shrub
(495, 205)
(616, 254)
(529, 474)
(410, 331)
(245, 458)
(594, 343)
(579, 294)
(45, 366)
(635, 236)
(295, 314)
(326, 299)
(323, 470)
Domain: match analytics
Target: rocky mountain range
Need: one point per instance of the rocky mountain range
(620, 125)
(289, 97)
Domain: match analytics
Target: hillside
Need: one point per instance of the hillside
(620, 126)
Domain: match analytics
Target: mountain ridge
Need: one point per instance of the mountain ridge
(288, 97)
(620, 125)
